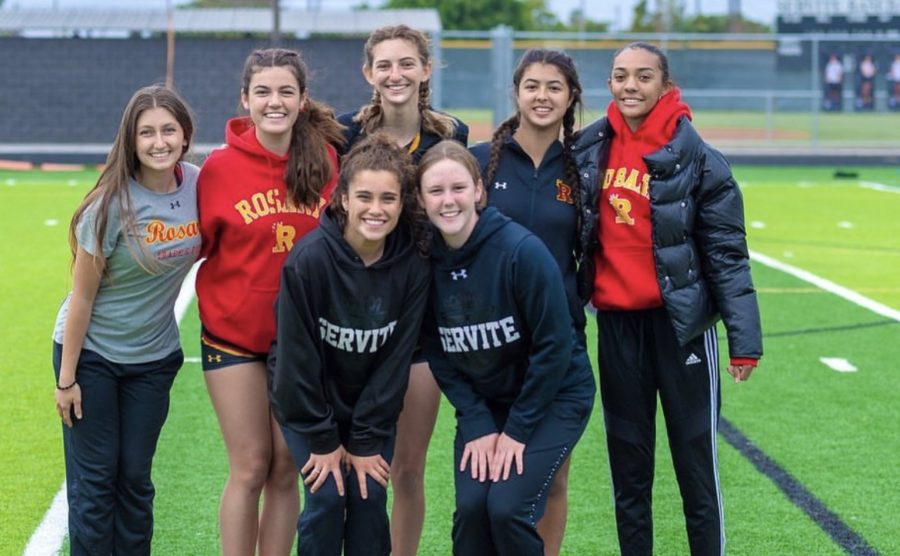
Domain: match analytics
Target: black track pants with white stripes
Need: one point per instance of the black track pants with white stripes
(640, 359)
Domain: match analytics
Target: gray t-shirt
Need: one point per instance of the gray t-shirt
(133, 318)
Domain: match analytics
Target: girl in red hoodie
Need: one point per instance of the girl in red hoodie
(670, 257)
(258, 196)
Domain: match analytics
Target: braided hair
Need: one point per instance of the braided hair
(371, 115)
(504, 131)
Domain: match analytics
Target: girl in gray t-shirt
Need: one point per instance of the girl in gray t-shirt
(116, 348)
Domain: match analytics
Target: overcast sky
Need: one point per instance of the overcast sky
(616, 12)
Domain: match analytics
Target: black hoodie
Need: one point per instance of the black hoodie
(345, 338)
(499, 336)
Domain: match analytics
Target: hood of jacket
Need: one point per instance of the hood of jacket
(658, 127)
(397, 244)
(240, 134)
(444, 257)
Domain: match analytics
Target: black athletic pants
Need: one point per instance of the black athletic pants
(498, 519)
(109, 451)
(640, 359)
(331, 524)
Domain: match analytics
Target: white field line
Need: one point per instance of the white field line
(838, 364)
(48, 538)
(879, 186)
(828, 286)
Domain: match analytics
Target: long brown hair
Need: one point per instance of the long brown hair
(309, 167)
(370, 116)
(122, 164)
(378, 152)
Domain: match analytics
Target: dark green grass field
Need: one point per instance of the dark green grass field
(834, 433)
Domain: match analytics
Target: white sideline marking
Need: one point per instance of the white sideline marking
(879, 186)
(10, 182)
(192, 359)
(48, 538)
(844, 224)
(51, 222)
(758, 224)
(828, 286)
(839, 364)
(72, 183)
(186, 295)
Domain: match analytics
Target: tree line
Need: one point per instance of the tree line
(535, 15)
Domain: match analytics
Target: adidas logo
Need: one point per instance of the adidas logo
(692, 360)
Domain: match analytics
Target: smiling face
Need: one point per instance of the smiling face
(637, 83)
(274, 100)
(159, 141)
(373, 204)
(450, 197)
(543, 96)
(396, 71)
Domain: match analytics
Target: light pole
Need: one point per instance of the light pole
(276, 23)
(170, 45)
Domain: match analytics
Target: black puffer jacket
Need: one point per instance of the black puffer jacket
(699, 242)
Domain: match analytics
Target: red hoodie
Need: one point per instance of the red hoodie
(248, 228)
(625, 278)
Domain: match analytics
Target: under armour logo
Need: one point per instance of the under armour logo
(459, 274)
(213, 358)
(499, 185)
(692, 360)
(175, 204)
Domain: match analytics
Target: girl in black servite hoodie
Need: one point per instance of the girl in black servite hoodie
(349, 314)
(499, 339)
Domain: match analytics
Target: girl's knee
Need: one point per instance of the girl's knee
(282, 474)
(376, 495)
(407, 479)
(325, 501)
(471, 509)
(251, 472)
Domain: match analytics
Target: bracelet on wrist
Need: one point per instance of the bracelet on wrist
(69, 387)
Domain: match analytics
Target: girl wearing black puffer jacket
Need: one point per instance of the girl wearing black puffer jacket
(669, 256)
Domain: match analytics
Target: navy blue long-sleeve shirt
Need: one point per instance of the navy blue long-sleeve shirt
(539, 199)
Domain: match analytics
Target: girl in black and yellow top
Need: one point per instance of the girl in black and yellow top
(398, 66)
(671, 259)
(500, 342)
(349, 315)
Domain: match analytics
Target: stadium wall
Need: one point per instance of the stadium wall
(72, 91)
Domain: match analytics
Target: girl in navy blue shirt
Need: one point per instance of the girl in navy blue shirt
(530, 176)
